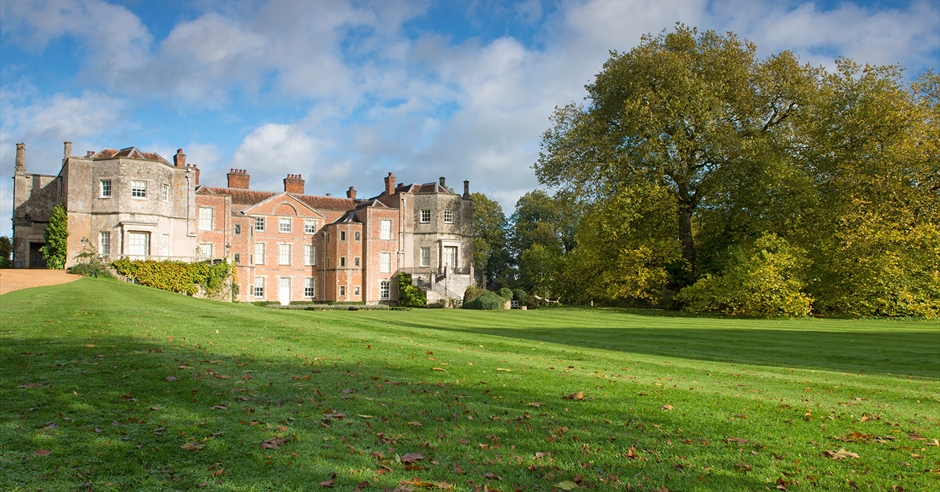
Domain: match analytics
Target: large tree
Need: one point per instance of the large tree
(683, 110)
(490, 253)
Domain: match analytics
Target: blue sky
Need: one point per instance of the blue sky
(343, 92)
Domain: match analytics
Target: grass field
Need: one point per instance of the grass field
(110, 386)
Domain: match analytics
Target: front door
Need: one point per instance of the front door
(36, 259)
(138, 244)
(283, 290)
(450, 258)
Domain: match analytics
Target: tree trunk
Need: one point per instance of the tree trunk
(685, 237)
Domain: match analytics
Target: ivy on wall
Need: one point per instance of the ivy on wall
(56, 236)
(178, 276)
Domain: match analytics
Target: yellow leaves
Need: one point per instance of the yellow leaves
(192, 446)
(840, 454)
(574, 396)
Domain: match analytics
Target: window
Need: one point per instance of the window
(259, 224)
(238, 229)
(105, 188)
(356, 261)
(205, 218)
(259, 287)
(342, 261)
(238, 259)
(139, 189)
(425, 216)
(205, 250)
(386, 229)
(356, 291)
(259, 253)
(342, 235)
(283, 225)
(104, 243)
(283, 254)
(384, 289)
(310, 288)
(310, 255)
(448, 217)
(165, 193)
(358, 236)
(425, 257)
(385, 262)
(310, 227)
(342, 290)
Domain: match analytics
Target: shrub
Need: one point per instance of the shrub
(521, 296)
(92, 268)
(489, 301)
(505, 293)
(763, 280)
(408, 294)
(472, 293)
(177, 276)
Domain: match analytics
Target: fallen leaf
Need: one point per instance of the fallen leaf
(535, 404)
(566, 485)
(437, 368)
(192, 446)
(503, 370)
(172, 378)
(840, 454)
(411, 457)
(574, 396)
(42, 452)
(219, 407)
(327, 483)
(666, 407)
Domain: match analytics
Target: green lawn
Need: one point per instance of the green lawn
(110, 386)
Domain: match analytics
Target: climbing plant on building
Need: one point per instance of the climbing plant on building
(56, 236)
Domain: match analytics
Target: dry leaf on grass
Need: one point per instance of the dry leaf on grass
(574, 396)
(840, 454)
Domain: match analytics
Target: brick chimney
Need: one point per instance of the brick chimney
(195, 170)
(466, 188)
(68, 150)
(389, 185)
(238, 178)
(20, 158)
(294, 183)
(351, 193)
(179, 160)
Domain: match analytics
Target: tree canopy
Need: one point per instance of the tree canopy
(691, 155)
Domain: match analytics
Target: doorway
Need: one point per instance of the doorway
(283, 290)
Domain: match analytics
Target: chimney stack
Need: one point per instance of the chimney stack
(294, 183)
(89, 153)
(351, 193)
(179, 160)
(196, 170)
(442, 182)
(20, 158)
(389, 185)
(238, 178)
(68, 150)
(466, 188)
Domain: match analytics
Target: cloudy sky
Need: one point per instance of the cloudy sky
(343, 92)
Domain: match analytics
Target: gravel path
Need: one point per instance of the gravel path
(21, 278)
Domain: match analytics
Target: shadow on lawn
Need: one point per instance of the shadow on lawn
(115, 414)
(895, 352)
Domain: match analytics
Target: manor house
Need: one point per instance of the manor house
(285, 245)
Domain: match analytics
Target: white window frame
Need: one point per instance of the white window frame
(342, 261)
(386, 229)
(310, 255)
(358, 236)
(259, 224)
(310, 287)
(448, 216)
(385, 290)
(385, 262)
(356, 262)
(104, 243)
(425, 257)
(105, 189)
(425, 216)
(165, 192)
(356, 291)
(259, 254)
(206, 218)
(258, 288)
(283, 225)
(138, 189)
(205, 250)
(238, 229)
(283, 254)
(310, 226)
(342, 291)
(342, 235)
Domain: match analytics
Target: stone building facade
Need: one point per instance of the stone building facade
(286, 245)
